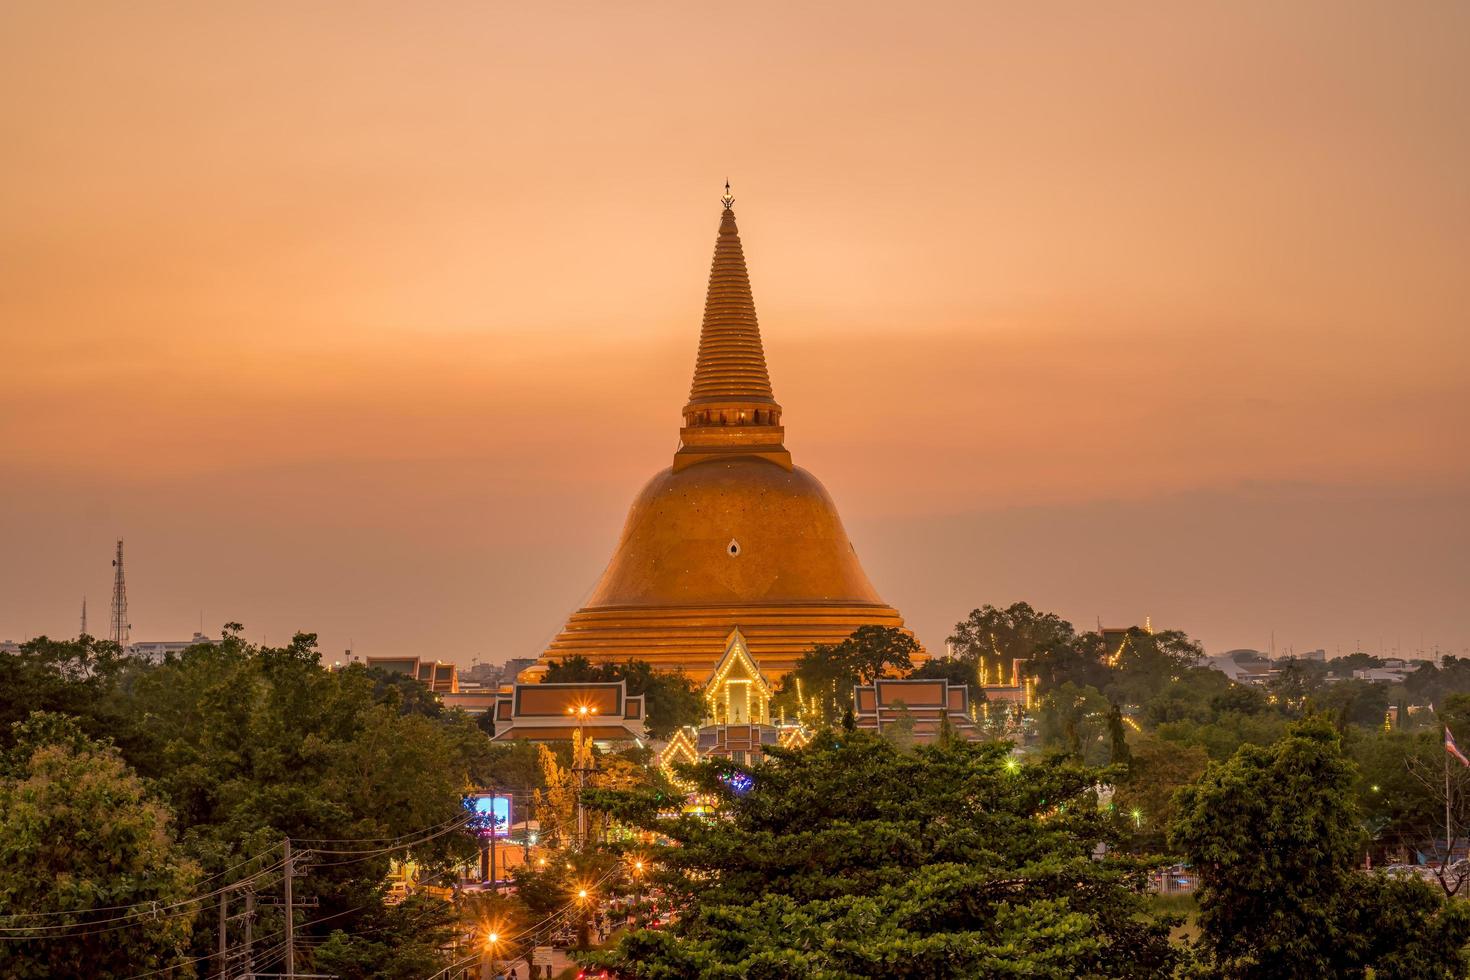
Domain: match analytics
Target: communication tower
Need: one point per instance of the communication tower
(121, 628)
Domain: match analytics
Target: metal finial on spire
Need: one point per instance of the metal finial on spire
(728, 199)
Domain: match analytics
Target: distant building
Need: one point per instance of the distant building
(1256, 673)
(1391, 672)
(1115, 640)
(927, 703)
(1245, 653)
(157, 650)
(603, 711)
(511, 670)
(1016, 692)
(436, 675)
(9, 646)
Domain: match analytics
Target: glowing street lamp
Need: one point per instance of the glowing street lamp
(1137, 816)
(637, 884)
(490, 953)
(582, 712)
(584, 898)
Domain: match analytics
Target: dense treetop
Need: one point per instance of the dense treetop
(854, 858)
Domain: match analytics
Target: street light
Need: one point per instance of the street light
(582, 712)
(637, 884)
(1137, 818)
(488, 963)
(584, 898)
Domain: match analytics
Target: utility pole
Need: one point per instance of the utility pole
(249, 933)
(494, 874)
(224, 920)
(290, 918)
(582, 712)
(84, 616)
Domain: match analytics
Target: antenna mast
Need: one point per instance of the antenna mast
(84, 617)
(121, 629)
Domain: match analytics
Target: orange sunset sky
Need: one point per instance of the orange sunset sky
(370, 319)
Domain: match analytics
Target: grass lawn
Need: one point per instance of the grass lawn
(1181, 905)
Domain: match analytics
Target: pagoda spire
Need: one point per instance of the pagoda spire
(731, 408)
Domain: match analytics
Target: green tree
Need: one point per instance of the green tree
(1401, 790)
(1148, 665)
(86, 857)
(1274, 833)
(71, 677)
(1226, 732)
(1354, 702)
(391, 942)
(253, 744)
(994, 639)
(1118, 752)
(1297, 680)
(1074, 720)
(851, 858)
(1156, 771)
(829, 671)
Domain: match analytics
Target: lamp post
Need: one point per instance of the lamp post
(488, 956)
(582, 712)
(637, 885)
(583, 932)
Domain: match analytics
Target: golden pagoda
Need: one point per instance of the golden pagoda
(732, 534)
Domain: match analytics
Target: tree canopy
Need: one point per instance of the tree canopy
(244, 745)
(826, 674)
(853, 858)
(1274, 835)
(86, 856)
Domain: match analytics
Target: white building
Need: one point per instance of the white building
(158, 649)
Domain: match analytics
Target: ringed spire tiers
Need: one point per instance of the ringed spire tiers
(732, 535)
(731, 408)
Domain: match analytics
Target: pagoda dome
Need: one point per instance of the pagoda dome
(736, 530)
(732, 535)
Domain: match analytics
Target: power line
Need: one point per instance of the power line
(153, 912)
(138, 905)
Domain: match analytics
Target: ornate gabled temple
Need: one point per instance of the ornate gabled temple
(732, 534)
(737, 715)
